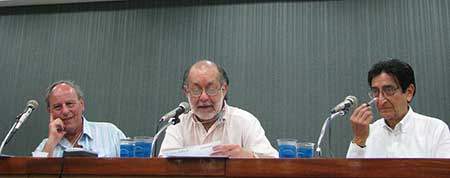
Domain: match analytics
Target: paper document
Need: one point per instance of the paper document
(5, 156)
(204, 150)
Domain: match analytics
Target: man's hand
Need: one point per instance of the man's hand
(55, 133)
(232, 151)
(360, 120)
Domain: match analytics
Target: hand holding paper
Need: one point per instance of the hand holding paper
(232, 151)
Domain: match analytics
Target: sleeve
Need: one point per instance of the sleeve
(355, 151)
(257, 142)
(38, 151)
(41, 145)
(118, 135)
(172, 139)
(106, 139)
(443, 145)
(57, 152)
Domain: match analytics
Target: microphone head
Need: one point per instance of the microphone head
(353, 100)
(33, 104)
(185, 105)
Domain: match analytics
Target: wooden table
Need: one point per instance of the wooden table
(27, 167)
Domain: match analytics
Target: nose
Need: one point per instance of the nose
(381, 95)
(65, 110)
(381, 99)
(204, 96)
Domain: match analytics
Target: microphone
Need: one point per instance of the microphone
(350, 101)
(184, 107)
(31, 106)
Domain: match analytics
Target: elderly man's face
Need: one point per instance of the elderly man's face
(65, 104)
(204, 91)
(391, 106)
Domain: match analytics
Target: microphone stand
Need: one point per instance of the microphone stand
(172, 121)
(8, 137)
(324, 128)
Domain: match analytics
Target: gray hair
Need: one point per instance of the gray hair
(67, 82)
(223, 77)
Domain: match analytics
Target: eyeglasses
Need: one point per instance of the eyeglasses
(387, 90)
(209, 91)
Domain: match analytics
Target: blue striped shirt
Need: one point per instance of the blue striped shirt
(100, 137)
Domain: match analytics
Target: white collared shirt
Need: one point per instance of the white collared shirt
(235, 127)
(415, 136)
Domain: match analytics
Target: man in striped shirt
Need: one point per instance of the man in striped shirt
(68, 128)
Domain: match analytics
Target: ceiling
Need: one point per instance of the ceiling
(5, 3)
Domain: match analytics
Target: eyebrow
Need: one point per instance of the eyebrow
(384, 86)
(68, 101)
(209, 84)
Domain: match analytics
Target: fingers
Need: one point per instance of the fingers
(231, 150)
(56, 125)
(56, 131)
(367, 117)
(224, 150)
(362, 115)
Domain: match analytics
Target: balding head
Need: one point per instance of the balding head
(65, 82)
(204, 64)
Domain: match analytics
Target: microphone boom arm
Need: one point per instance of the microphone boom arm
(324, 128)
(20, 119)
(8, 137)
(172, 121)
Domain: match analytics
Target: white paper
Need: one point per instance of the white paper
(39, 154)
(204, 150)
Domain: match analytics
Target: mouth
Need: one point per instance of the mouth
(68, 119)
(203, 107)
(385, 107)
(385, 110)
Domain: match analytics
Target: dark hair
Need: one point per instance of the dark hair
(401, 71)
(223, 77)
(67, 82)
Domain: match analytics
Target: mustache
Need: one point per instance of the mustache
(204, 104)
(67, 117)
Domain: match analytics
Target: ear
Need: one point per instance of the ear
(225, 89)
(410, 92)
(82, 105)
(185, 90)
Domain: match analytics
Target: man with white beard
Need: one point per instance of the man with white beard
(240, 134)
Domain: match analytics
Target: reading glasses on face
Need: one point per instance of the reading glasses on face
(208, 91)
(386, 90)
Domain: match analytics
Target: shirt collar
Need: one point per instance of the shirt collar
(87, 128)
(404, 124)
